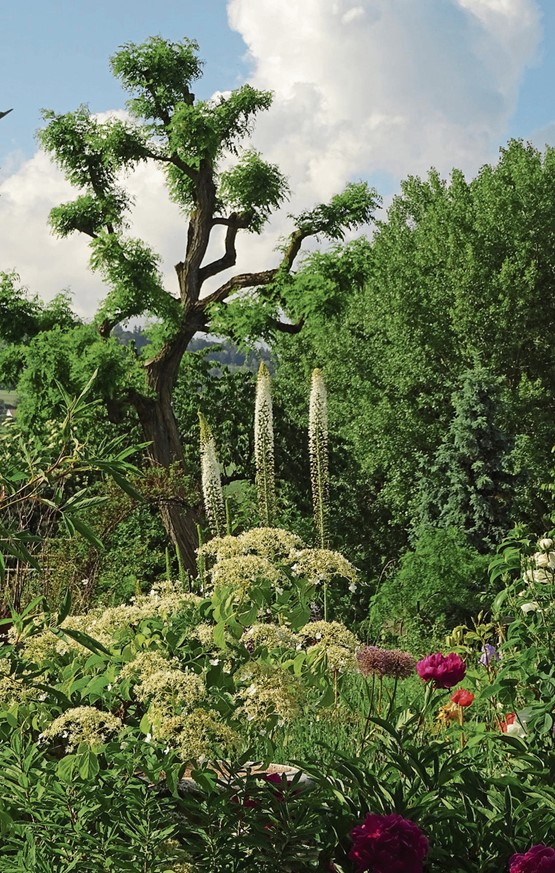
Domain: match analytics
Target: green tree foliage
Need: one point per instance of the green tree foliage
(188, 139)
(467, 486)
(436, 586)
(458, 277)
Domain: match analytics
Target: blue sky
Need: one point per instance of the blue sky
(55, 54)
(373, 89)
(536, 100)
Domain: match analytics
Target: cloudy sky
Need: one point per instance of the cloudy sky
(364, 89)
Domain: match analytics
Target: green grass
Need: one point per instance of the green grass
(9, 397)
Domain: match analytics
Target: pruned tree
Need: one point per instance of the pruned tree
(188, 138)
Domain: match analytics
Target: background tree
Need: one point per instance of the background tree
(457, 278)
(188, 139)
(468, 484)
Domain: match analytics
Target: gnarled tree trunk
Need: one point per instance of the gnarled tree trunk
(177, 509)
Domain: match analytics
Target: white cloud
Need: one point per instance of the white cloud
(360, 88)
(396, 86)
(46, 264)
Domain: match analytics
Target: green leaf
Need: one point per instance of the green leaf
(66, 768)
(83, 639)
(219, 635)
(88, 764)
(65, 607)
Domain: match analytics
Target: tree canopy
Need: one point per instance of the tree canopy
(457, 289)
(218, 181)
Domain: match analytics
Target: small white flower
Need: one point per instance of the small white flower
(352, 587)
(545, 559)
(148, 738)
(516, 730)
(214, 661)
(531, 606)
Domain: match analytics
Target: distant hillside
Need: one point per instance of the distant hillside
(222, 352)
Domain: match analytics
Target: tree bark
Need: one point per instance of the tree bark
(177, 509)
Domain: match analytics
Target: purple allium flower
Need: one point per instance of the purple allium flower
(443, 670)
(490, 654)
(538, 859)
(388, 844)
(385, 662)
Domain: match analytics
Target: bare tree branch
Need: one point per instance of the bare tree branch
(287, 327)
(236, 283)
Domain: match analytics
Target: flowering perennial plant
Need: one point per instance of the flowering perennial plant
(373, 660)
(83, 724)
(444, 671)
(264, 446)
(513, 725)
(268, 690)
(242, 571)
(318, 453)
(177, 688)
(270, 636)
(542, 569)
(462, 697)
(108, 626)
(331, 641)
(211, 480)
(321, 566)
(489, 655)
(538, 859)
(388, 844)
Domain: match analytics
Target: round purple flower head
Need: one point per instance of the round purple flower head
(538, 859)
(443, 670)
(388, 844)
(385, 662)
(490, 654)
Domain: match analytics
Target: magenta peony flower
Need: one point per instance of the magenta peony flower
(388, 844)
(443, 670)
(538, 859)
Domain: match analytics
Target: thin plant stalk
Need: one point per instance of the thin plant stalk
(201, 562)
(370, 692)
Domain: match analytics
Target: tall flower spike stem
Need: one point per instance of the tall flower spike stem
(264, 447)
(211, 482)
(201, 563)
(318, 453)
